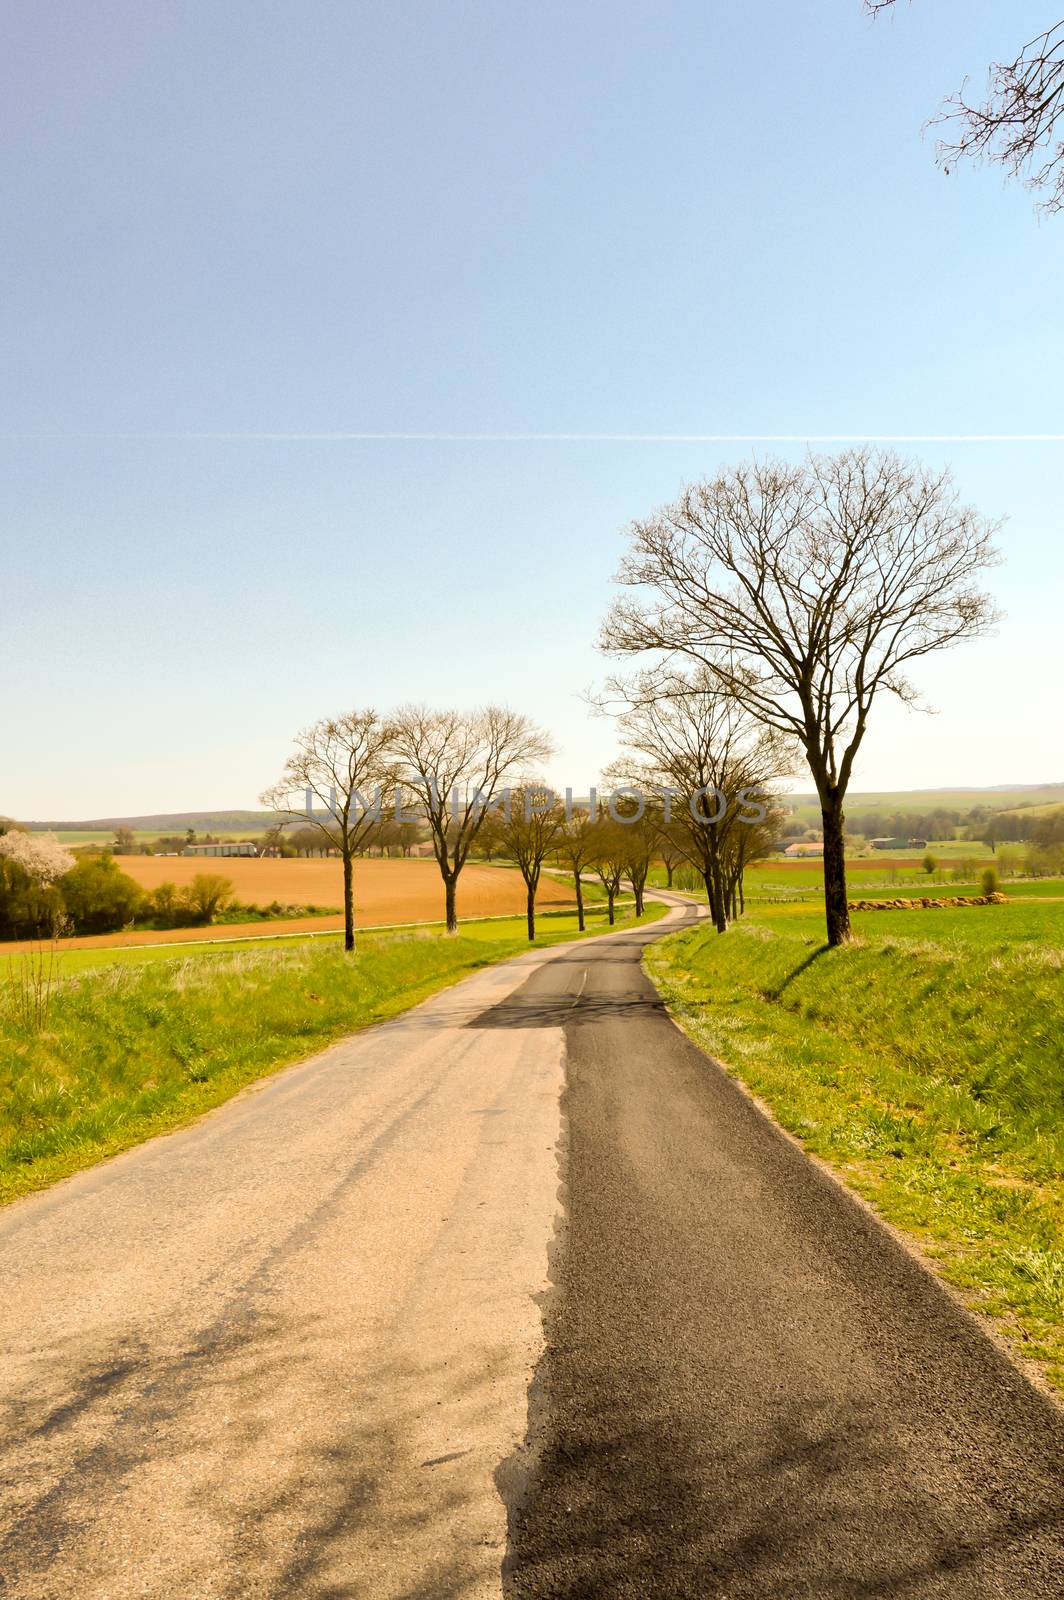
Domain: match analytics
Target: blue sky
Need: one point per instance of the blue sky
(321, 218)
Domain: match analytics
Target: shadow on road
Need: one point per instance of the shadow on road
(532, 1010)
(626, 1503)
(243, 1460)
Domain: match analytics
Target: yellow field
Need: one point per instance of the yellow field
(385, 892)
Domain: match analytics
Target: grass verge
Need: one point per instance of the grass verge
(106, 1058)
(925, 1064)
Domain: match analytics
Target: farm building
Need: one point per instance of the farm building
(797, 849)
(243, 848)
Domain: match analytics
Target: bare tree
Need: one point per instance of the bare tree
(642, 838)
(575, 848)
(609, 860)
(749, 844)
(1015, 123)
(708, 762)
(639, 814)
(670, 849)
(528, 833)
(458, 763)
(805, 591)
(343, 764)
(490, 840)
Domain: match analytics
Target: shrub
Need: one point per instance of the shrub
(929, 863)
(165, 905)
(207, 894)
(989, 880)
(28, 909)
(99, 897)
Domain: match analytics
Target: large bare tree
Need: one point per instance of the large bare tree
(807, 590)
(1015, 121)
(342, 765)
(457, 763)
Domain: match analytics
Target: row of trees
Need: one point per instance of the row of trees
(1041, 828)
(469, 779)
(349, 773)
(773, 604)
(387, 838)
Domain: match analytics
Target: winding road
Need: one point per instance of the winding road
(517, 1293)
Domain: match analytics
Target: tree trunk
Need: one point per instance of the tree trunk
(720, 903)
(579, 902)
(836, 910)
(742, 895)
(349, 902)
(609, 898)
(530, 912)
(450, 884)
(668, 874)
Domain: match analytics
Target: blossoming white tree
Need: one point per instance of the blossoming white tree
(40, 855)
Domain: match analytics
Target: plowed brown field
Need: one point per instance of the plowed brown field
(385, 892)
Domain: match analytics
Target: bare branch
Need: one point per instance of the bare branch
(1017, 124)
(456, 762)
(343, 763)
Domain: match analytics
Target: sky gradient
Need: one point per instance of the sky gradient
(233, 227)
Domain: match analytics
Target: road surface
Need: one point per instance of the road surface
(298, 1349)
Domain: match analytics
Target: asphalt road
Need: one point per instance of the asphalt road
(749, 1388)
(286, 1352)
(298, 1349)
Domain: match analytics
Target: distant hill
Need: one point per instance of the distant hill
(999, 797)
(166, 822)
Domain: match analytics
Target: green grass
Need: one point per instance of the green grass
(148, 1039)
(550, 926)
(925, 1063)
(778, 876)
(991, 928)
(770, 882)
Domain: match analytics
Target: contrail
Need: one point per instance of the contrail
(412, 437)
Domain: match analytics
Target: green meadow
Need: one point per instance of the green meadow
(925, 1063)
